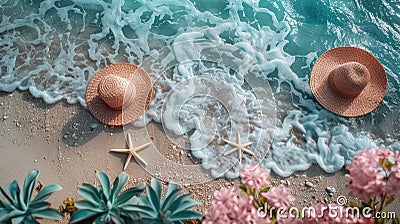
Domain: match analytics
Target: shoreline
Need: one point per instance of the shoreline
(68, 146)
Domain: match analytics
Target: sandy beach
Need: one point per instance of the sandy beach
(68, 146)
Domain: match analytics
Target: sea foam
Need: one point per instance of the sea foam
(53, 48)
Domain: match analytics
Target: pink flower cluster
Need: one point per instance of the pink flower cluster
(333, 214)
(369, 179)
(227, 207)
(278, 197)
(254, 177)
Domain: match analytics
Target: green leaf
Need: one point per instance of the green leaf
(129, 194)
(14, 191)
(145, 211)
(90, 193)
(389, 199)
(46, 192)
(395, 221)
(185, 205)
(101, 219)
(87, 205)
(353, 204)
(27, 187)
(130, 215)
(381, 161)
(388, 165)
(49, 213)
(15, 213)
(20, 220)
(114, 212)
(169, 198)
(3, 214)
(117, 220)
(5, 195)
(181, 199)
(82, 215)
(153, 199)
(244, 188)
(185, 215)
(38, 206)
(156, 185)
(265, 189)
(365, 204)
(117, 186)
(105, 183)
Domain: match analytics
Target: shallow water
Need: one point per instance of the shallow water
(53, 48)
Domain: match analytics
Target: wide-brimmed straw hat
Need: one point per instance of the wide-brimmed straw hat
(119, 94)
(348, 81)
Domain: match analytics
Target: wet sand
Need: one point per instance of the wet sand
(68, 146)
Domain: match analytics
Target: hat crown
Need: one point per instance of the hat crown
(349, 79)
(112, 90)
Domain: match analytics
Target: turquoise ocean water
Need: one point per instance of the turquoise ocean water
(52, 48)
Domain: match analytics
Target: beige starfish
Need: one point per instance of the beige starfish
(239, 147)
(132, 151)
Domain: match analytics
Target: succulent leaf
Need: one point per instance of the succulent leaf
(186, 214)
(153, 198)
(89, 206)
(171, 209)
(117, 185)
(106, 205)
(20, 208)
(90, 193)
(46, 192)
(48, 213)
(127, 195)
(27, 187)
(82, 214)
(13, 189)
(5, 195)
(104, 183)
(171, 194)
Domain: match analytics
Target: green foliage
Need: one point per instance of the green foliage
(18, 206)
(171, 209)
(105, 205)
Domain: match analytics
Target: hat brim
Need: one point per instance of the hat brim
(371, 96)
(129, 113)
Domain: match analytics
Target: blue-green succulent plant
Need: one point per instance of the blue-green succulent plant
(171, 209)
(18, 206)
(105, 205)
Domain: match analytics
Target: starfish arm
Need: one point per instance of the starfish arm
(119, 150)
(232, 143)
(139, 158)
(248, 151)
(127, 161)
(129, 141)
(240, 156)
(230, 151)
(238, 139)
(247, 144)
(142, 147)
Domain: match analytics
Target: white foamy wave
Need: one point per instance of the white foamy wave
(53, 48)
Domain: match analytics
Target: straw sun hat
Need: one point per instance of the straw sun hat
(348, 81)
(119, 94)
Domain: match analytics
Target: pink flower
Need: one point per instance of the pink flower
(393, 184)
(226, 197)
(228, 208)
(254, 177)
(278, 197)
(368, 178)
